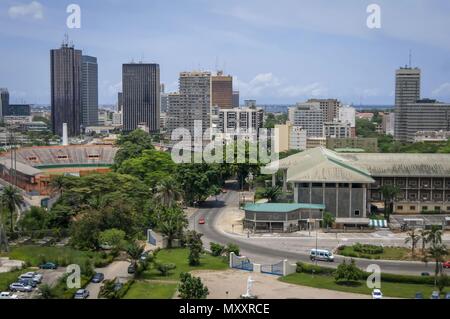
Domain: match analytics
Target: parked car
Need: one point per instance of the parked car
(446, 264)
(447, 296)
(132, 268)
(144, 255)
(48, 266)
(28, 282)
(8, 295)
(98, 278)
(425, 274)
(34, 276)
(321, 254)
(17, 286)
(435, 295)
(202, 221)
(377, 294)
(81, 294)
(419, 295)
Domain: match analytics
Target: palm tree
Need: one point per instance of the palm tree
(3, 239)
(390, 192)
(11, 198)
(423, 236)
(437, 252)
(272, 193)
(414, 238)
(134, 251)
(171, 222)
(435, 235)
(167, 192)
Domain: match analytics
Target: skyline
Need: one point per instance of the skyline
(276, 60)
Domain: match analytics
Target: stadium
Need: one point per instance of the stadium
(33, 168)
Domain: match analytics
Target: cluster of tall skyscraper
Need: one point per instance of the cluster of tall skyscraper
(74, 90)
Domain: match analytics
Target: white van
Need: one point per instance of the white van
(321, 254)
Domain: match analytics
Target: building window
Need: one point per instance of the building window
(448, 208)
(425, 208)
(412, 208)
(399, 207)
(357, 213)
(437, 208)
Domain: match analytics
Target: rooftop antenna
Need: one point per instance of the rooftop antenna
(410, 58)
(66, 39)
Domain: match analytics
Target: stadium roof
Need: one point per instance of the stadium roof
(322, 165)
(281, 207)
(20, 167)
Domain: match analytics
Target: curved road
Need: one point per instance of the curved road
(265, 253)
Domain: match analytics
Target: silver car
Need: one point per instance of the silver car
(81, 294)
(17, 286)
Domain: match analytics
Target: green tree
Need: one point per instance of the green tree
(328, 220)
(86, 230)
(217, 249)
(390, 193)
(348, 272)
(195, 245)
(438, 252)
(232, 248)
(34, 219)
(424, 239)
(434, 235)
(11, 199)
(134, 251)
(412, 238)
(167, 192)
(191, 287)
(271, 193)
(132, 145)
(171, 222)
(112, 237)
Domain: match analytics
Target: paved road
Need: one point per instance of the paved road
(117, 269)
(267, 250)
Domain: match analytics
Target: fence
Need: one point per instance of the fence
(282, 268)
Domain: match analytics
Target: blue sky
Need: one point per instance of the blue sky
(280, 51)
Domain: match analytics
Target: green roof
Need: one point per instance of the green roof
(280, 208)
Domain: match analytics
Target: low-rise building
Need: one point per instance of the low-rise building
(368, 145)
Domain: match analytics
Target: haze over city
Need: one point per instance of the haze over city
(302, 49)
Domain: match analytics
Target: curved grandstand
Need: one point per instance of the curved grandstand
(35, 166)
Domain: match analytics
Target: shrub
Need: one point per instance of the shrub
(192, 287)
(368, 249)
(217, 249)
(348, 272)
(232, 248)
(165, 269)
(313, 269)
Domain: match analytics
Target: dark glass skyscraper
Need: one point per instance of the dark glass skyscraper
(141, 96)
(65, 64)
(4, 102)
(89, 91)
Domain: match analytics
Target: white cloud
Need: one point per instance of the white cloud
(34, 9)
(442, 90)
(267, 84)
(313, 89)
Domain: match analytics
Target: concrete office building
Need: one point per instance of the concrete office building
(141, 96)
(191, 104)
(424, 115)
(222, 90)
(65, 64)
(236, 99)
(329, 107)
(407, 92)
(337, 130)
(388, 124)
(240, 122)
(89, 91)
(297, 138)
(308, 116)
(164, 102)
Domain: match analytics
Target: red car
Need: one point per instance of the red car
(201, 221)
(446, 264)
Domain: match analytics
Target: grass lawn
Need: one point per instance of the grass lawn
(146, 290)
(389, 289)
(63, 256)
(179, 257)
(8, 278)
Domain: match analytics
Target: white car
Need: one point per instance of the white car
(17, 286)
(36, 277)
(377, 294)
(8, 295)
